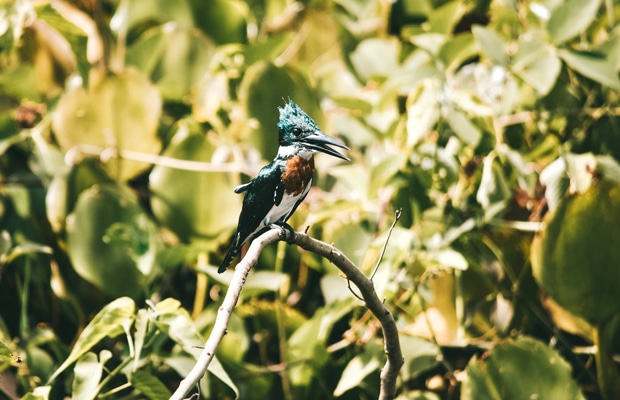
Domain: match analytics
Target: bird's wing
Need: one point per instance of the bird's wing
(245, 187)
(260, 198)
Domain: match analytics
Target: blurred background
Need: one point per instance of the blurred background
(492, 124)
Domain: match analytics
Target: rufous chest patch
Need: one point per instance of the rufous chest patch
(297, 174)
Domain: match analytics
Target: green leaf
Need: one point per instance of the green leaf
(520, 369)
(266, 281)
(464, 129)
(422, 110)
(39, 393)
(96, 257)
(87, 374)
(6, 357)
(375, 58)
(133, 14)
(491, 43)
(493, 189)
(120, 111)
(420, 355)
(263, 89)
(356, 371)
(570, 19)
(225, 21)
(443, 19)
(537, 65)
(149, 385)
(449, 258)
(592, 66)
(63, 192)
(190, 203)
(174, 57)
(579, 232)
(109, 322)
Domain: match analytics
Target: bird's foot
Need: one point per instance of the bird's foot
(286, 231)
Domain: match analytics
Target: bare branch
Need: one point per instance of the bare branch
(394, 361)
(223, 314)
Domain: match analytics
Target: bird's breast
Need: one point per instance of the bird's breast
(297, 174)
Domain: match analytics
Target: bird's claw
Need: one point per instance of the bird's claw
(286, 231)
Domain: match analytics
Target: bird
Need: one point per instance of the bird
(279, 187)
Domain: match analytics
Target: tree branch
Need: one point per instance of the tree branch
(394, 361)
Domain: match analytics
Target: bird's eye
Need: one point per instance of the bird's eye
(296, 131)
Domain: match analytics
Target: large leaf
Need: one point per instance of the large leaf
(422, 110)
(592, 66)
(570, 19)
(463, 127)
(174, 57)
(107, 234)
(149, 385)
(195, 205)
(63, 192)
(87, 374)
(520, 369)
(375, 58)
(572, 257)
(225, 21)
(264, 88)
(360, 366)
(538, 65)
(119, 111)
(491, 43)
(111, 321)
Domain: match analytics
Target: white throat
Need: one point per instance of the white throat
(288, 151)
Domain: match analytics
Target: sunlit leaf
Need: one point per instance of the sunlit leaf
(538, 65)
(149, 385)
(464, 129)
(571, 18)
(375, 58)
(6, 356)
(356, 371)
(592, 66)
(174, 57)
(491, 43)
(422, 110)
(225, 21)
(443, 18)
(420, 355)
(117, 110)
(264, 88)
(100, 258)
(184, 201)
(540, 371)
(449, 258)
(108, 322)
(87, 374)
(573, 237)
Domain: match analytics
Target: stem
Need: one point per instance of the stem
(606, 370)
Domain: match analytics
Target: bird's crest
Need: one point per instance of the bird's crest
(294, 121)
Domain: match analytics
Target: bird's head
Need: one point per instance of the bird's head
(296, 129)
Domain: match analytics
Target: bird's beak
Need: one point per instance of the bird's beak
(319, 141)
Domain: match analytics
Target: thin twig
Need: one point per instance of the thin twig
(394, 362)
(154, 159)
(396, 218)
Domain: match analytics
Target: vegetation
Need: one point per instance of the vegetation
(492, 125)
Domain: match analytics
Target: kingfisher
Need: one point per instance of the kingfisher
(278, 189)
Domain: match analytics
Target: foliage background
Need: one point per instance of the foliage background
(125, 125)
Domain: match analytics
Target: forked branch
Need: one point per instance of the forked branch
(394, 360)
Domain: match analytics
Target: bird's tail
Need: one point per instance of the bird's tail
(230, 255)
(234, 249)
